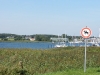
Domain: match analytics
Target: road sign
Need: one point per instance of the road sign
(86, 32)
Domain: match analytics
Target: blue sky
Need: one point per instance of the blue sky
(29, 17)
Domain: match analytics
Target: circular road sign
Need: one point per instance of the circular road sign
(86, 32)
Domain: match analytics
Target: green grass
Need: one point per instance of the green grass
(89, 71)
(11, 39)
(57, 61)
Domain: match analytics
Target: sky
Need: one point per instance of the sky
(28, 17)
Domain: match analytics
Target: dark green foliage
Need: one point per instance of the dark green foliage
(44, 61)
(41, 37)
(17, 38)
(38, 37)
(4, 39)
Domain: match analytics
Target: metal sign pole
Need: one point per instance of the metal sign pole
(85, 56)
(86, 33)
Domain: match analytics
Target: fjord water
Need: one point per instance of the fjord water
(32, 45)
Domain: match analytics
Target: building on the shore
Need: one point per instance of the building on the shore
(32, 39)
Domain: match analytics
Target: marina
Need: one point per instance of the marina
(43, 45)
(60, 41)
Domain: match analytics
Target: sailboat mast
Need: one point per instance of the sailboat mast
(65, 37)
(99, 32)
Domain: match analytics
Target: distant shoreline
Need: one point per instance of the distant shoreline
(24, 41)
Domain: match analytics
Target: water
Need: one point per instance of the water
(33, 45)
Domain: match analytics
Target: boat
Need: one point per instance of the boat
(60, 44)
(96, 44)
(60, 41)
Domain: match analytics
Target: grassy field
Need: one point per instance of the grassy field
(58, 61)
(89, 71)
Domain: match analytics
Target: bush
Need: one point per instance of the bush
(43, 61)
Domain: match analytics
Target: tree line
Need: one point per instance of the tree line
(38, 37)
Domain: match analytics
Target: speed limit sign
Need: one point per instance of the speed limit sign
(86, 32)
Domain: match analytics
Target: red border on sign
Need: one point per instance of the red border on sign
(88, 35)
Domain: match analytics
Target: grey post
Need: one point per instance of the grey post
(85, 56)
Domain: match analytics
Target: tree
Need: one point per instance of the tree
(17, 38)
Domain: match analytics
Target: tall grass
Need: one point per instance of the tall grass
(43, 61)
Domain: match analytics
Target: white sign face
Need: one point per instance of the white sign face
(86, 32)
